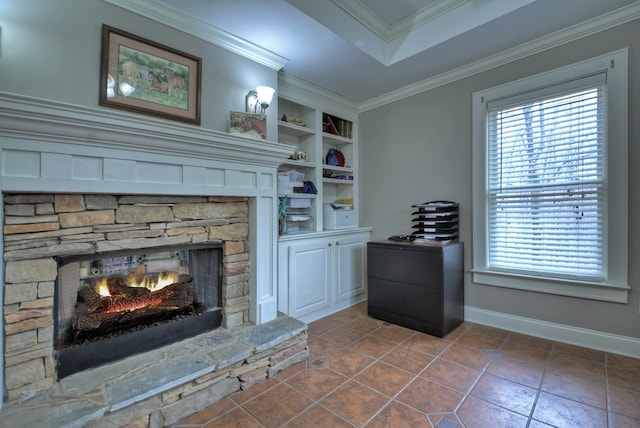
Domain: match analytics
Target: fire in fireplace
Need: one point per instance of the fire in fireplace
(158, 296)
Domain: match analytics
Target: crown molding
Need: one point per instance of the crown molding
(167, 15)
(593, 26)
(388, 32)
(304, 92)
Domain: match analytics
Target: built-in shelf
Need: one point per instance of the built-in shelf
(303, 164)
(336, 139)
(318, 134)
(299, 195)
(337, 181)
(295, 130)
(338, 169)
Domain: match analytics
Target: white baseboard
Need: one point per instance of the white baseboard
(623, 345)
(336, 307)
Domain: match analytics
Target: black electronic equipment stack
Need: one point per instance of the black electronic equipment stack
(436, 221)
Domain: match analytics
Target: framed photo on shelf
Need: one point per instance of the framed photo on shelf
(252, 125)
(140, 75)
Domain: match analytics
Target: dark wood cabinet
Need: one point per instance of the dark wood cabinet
(419, 286)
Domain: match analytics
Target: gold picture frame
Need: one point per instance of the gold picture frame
(140, 75)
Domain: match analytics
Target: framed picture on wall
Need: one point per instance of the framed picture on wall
(140, 75)
(252, 125)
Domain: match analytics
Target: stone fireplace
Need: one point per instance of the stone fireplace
(86, 189)
(109, 237)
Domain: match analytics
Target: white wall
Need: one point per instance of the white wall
(51, 49)
(419, 149)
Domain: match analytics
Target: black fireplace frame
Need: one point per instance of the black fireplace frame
(73, 359)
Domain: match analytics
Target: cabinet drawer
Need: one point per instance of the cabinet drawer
(407, 266)
(413, 302)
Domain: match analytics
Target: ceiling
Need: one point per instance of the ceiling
(366, 49)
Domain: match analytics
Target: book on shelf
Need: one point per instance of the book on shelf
(336, 126)
(328, 125)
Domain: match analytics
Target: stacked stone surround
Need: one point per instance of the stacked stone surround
(39, 227)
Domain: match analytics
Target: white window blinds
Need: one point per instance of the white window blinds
(545, 181)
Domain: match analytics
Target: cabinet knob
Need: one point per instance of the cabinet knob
(329, 244)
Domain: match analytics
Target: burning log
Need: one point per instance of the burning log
(109, 305)
(125, 305)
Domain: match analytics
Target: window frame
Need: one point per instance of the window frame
(614, 287)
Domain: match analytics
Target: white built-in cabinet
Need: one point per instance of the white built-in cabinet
(319, 271)
(320, 275)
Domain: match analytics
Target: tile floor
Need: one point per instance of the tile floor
(363, 372)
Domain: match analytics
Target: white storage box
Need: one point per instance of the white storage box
(288, 187)
(339, 217)
(299, 202)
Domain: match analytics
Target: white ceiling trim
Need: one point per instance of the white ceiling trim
(163, 13)
(388, 32)
(604, 22)
(444, 21)
(301, 91)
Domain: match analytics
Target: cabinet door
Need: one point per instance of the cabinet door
(309, 276)
(350, 266)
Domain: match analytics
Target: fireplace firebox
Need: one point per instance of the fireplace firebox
(113, 305)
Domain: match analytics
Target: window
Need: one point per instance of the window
(550, 181)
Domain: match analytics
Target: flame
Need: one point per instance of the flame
(138, 279)
(102, 288)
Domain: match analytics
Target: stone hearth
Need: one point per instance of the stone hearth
(158, 388)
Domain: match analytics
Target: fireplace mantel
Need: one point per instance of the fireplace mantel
(53, 121)
(48, 146)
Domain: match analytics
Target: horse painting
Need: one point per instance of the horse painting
(157, 84)
(256, 124)
(175, 82)
(249, 125)
(130, 72)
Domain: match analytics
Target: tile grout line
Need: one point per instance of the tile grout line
(379, 359)
(397, 394)
(348, 379)
(607, 390)
(482, 372)
(416, 376)
(317, 401)
(539, 388)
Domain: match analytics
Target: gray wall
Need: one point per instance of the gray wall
(419, 149)
(51, 49)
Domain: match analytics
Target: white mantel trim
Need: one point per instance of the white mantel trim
(20, 115)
